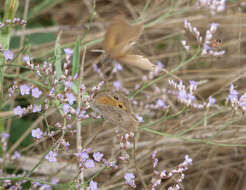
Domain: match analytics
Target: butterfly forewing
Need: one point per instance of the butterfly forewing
(120, 36)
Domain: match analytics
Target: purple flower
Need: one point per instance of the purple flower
(193, 85)
(211, 100)
(66, 108)
(36, 108)
(140, 119)
(160, 103)
(68, 84)
(117, 85)
(188, 160)
(8, 55)
(36, 92)
(25, 89)
(16, 155)
(70, 98)
(213, 27)
(26, 58)
(4, 135)
(54, 181)
(37, 133)
(117, 67)
(82, 155)
(129, 179)
(97, 156)
(19, 111)
(93, 185)
(68, 52)
(51, 156)
(89, 163)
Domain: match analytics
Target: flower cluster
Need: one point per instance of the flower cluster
(215, 6)
(4, 140)
(125, 143)
(38, 185)
(236, 102)
(130, 179)
(186, 95)
(60, 90)
(164, 174)
(209, 45)
(85, 162)
(15, 21)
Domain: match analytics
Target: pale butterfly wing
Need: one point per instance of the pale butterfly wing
(137, 61)
(120, 36)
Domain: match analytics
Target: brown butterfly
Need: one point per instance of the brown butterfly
(215, 43)
(119, 39)
(115, 108)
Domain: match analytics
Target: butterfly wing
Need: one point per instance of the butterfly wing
(120, 36)
(137, 61)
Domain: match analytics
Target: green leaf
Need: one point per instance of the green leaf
(18, 128)
(76, 56)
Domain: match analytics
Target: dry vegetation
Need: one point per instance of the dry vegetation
(214, 138)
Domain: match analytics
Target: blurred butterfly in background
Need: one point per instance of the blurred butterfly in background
(119, 39)
(215, 43)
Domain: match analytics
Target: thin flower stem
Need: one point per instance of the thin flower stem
(135, 164)
(79, 126)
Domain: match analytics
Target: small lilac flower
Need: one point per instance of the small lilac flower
(193, 85)
(26, 58)
(82, 155)
(36, 108)
(66, 108)
(160, 103)
(37, 133)
(117, 67)
(19, 111)
(8, 55)
(4, 135)
(211, 100)
(93, 185)
(70, 98)
(140, 119)
(97, 156)
(188, 160)
(242, 102)
(25, 89)
(89, 163)
(16, 155)
(68, 52)
(51, 156)
(54, 181)
(68, 84)
(160, 64)
(129, 179)
(117, 85)
(36, 92)
(213, 27)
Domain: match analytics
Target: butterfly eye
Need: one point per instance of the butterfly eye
(116, 98)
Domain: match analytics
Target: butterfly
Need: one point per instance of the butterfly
(120, 38)
(115, 108)
(215, 43)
